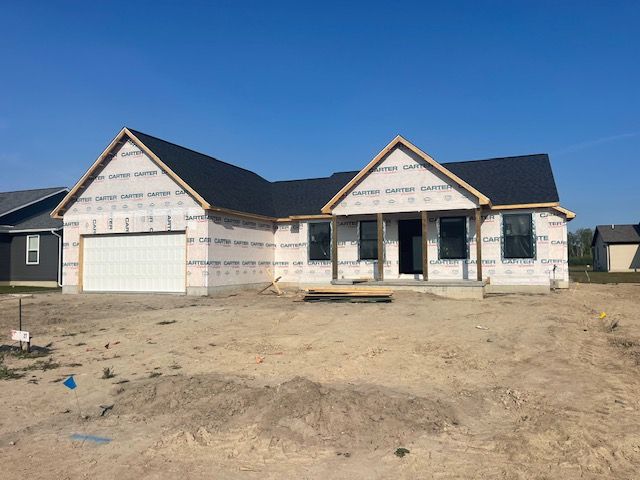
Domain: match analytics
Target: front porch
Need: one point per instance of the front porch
(411, 246)
(459, 289)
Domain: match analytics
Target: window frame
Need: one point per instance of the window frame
(360, 239)
(503, 236)
(37, 250)
(465, 237)
(309, 241)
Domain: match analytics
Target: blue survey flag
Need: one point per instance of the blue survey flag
(70, 383)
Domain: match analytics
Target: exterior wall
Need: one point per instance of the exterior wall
(404, 182)
(131, 194)
(239, 251)
(550, 229)
(5, 257)
(45, 270)
(624, 257)
(291, 255)
(600, 255)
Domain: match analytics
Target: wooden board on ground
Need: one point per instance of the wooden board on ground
(341, 294)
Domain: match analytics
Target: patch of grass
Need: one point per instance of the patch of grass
(43, 365)
(36, 352)
(608, 326)
(166, 322)
(155, 374)
(107, 372)
(7, 373)
(577, 274)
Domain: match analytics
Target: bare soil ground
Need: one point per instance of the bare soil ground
(248, 386)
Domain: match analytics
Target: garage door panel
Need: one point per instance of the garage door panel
(135, 263)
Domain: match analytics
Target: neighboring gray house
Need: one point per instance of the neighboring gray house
(616, 248)
(30, 240)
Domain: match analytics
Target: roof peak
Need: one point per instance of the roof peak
(136, 132)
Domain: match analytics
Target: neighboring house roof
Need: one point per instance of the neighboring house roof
(30, 209)
(504, 181)
(41, 220)
(617, 233)
(12, 201)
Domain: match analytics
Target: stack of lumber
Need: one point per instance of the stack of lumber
(342, 294)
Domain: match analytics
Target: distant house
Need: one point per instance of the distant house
(616, 248)
(30, 240)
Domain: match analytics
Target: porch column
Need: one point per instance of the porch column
(479, 243)
(425, 245)
(380, 246)
(334, 247)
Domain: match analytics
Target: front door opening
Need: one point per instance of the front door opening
(410, 244)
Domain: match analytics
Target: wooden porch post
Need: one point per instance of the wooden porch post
(334, 247)
(479, 243)
(380, 246)
(425, 245)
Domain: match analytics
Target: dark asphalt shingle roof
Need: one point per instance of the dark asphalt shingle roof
(41, 220)
(510, 180)
(219, 183)
(507, 180)
(618, 234)
(10, 201)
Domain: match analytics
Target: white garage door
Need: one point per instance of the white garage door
(134, 263)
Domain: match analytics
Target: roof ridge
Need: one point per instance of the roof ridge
(197, 152)
(497, 158)
(618, 225)
(34, 190)
(313, 178)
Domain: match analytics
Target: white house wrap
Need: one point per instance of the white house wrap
(153, 216)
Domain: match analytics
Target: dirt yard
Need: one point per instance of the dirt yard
(260, 387)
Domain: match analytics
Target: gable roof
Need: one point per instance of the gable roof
(218, 185)
(617, 233)
(14, 201)
(399, 140)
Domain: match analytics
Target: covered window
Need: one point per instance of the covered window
(33, 249)
(320, 241)
(368, 240)
(453, 238)
(517, 233)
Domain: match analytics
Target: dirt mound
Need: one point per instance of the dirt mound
(298, 410)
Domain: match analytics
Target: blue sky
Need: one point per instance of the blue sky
(301, 89)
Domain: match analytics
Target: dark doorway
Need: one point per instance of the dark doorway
(410, 243)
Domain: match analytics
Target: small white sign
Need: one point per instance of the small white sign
(20, 336)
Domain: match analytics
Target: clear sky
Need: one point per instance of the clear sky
(302, 89)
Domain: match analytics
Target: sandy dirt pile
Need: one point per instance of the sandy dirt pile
(298, 411)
